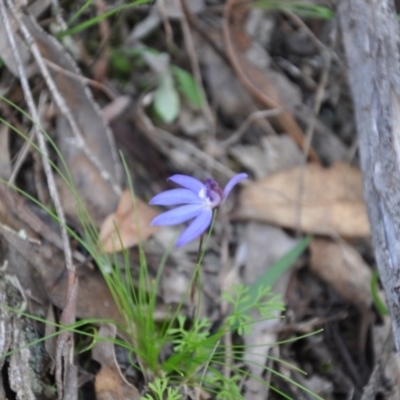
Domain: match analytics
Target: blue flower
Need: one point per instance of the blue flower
(196, 200)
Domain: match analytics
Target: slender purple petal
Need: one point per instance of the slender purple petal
(178, 215)
(187, 182)
(196, 227)
(176, 196)
(234, 181)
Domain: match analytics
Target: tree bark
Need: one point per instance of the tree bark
(371, 40)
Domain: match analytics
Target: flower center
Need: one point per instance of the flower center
(212, 193)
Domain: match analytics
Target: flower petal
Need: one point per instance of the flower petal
(234, 181)
(187, 182)
(196, 227)
(178, 215)
(176, 196)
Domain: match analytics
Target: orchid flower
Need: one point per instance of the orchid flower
(196, 201)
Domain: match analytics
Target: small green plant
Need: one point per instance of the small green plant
(173, 82)
(166, 101)
(242, 303)
(162, 391)
(181, 351)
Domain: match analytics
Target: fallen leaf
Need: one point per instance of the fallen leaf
(312, 198)
(264, 246)
(274, 154)
(110, 382)
(341, 267)
(120, 229)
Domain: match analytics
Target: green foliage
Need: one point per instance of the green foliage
(302, 9)
(166, 99)
(79, 12)
(242, 303)
(228, 389)
(95, 20)
(161, 391)
(188, 87)
(120, 63)
(188, 340)
(197, 355)
(171, 79)
(277, 269)
(379, 304)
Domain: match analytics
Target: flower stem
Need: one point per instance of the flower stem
(196, 271)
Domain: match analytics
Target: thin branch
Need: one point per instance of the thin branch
(66, 111)
(39, 135)
(194, 63)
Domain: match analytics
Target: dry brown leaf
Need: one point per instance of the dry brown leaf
(119, 230)
(110, 382)
(340, 265)
(312, 198)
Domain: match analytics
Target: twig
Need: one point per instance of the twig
(194, 62)
(69, 312)
(66, 111)
(100, 66)
(21, 156)
(260, 96)
(196, 25)
(167, 25)
(36, 124)
(285, 119)
(83, 79)
(253, 117)
(319, 95)
(299, 22)
(159, 137)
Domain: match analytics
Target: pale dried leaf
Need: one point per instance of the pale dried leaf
(110, 382)
(340, 265)
(120, 229)
(276, 153)
(312, 198)
(265, 245)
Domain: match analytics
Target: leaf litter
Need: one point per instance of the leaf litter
(262, 73)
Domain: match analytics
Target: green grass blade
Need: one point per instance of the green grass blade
(302, 9)
(375, 295)
(94, 21)
(81, 10)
